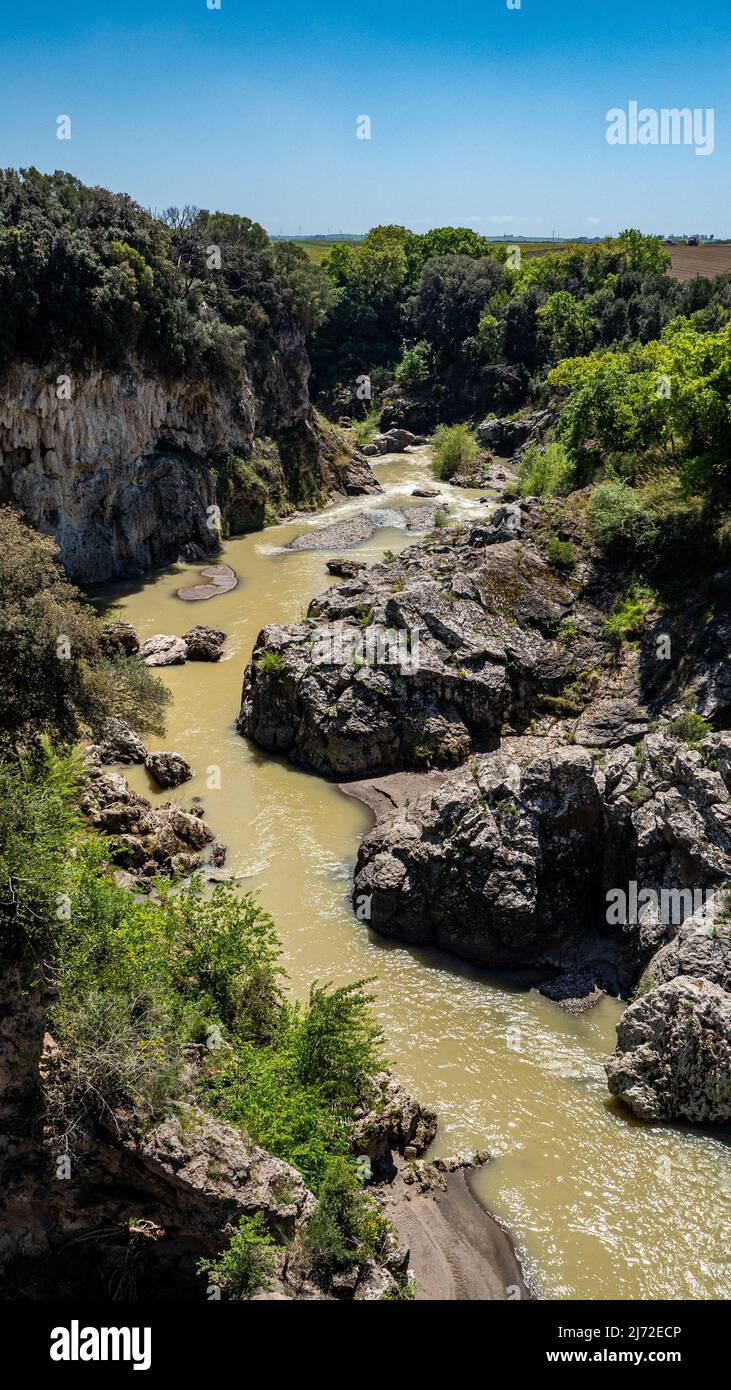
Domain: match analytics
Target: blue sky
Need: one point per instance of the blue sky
(481, 115)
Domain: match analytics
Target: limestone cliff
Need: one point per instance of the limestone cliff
(123, 471)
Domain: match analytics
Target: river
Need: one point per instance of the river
(599, 1205)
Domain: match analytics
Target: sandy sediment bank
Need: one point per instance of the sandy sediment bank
(459, 1252)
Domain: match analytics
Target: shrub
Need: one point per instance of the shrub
(455, 450)
(561, 554)
(39, 826)
(347, 1229)
(337, 1044)
(545, 472)
(269, 663)
(414, 365)
(623, 524)
(691, 727)
(365, 430)
(247, 1263)
(627, 619)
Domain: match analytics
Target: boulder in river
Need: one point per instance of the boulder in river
(118, 637)
(345, 569)
(673, 1054)
(204, 643)
(163, 650)
(168, 769)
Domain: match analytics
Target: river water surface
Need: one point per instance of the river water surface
(600, 1206)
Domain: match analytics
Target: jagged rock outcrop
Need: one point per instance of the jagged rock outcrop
(204, 643)
(147, 841)
(168, 769)
(125, 473)
(517, 857)
(673, 1055)
(389, 1121)
(506, 437)
(118, 742)
(466, 637)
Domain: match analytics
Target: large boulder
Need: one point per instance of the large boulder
(168, 769)
(164, 650)
(119, 743)
(116, 637)
(204, 643)
(525, 856)
(673, 1054)
(389, 1121)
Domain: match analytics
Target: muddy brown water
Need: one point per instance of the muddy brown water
(599, 1205)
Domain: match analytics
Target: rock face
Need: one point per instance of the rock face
(120, 743)
(163, 650)
(673, 1056)
(168, 769)
(388, 1122)
(463, 638)
(506, 437)
(123, 475)
(204, 643)
(512, 859)
(474, 620)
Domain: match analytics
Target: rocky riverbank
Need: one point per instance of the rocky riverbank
(569, 765)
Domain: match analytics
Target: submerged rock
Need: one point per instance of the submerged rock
(220, 579)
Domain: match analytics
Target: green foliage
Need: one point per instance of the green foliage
(124, 686)
(269, 663)
(247, 1263)
(691, 727)
(335, 1042)
(89, 276)
(561, 554)
(365, 430)
(546, 472)
(55, 680)
(414, 367)
(455, 450)
(347, 1228)
(626, 621)
(39, 830)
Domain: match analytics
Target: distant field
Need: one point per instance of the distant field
(690, 261)
(316, 250)
(686, 262)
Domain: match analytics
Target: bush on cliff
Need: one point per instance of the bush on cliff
(55, 680)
